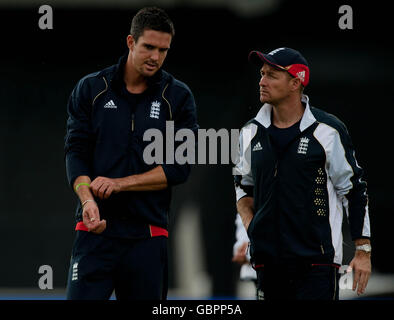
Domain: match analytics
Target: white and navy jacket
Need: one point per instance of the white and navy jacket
(104, 137)
(299, 197)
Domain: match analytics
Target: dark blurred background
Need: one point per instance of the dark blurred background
(351, 76)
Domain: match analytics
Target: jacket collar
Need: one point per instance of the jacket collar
(117, 79)
(264, 115)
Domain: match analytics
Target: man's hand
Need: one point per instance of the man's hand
(91, 218)
(103, 187)
(240, 254)
(361, 267)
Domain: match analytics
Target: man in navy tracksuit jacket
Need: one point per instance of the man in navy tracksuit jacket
(122, 215)
(297, 171)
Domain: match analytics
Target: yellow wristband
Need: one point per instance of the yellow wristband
(81, 184)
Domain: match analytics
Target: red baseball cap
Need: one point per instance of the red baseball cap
(285, 59)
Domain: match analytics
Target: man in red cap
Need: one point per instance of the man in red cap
(297, 172)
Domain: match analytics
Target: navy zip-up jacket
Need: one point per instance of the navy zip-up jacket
(300, 194)
(104, 137)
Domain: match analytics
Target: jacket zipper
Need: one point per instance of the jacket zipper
(132, 122)
(276, 169)
(322, 249)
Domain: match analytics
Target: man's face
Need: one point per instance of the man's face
(274, 84)
(149, 52)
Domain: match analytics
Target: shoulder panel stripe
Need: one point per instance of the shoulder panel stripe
(169, 105)
(106, 88)
(338, 167)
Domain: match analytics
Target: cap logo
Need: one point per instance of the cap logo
(301, 75)
(275, 51)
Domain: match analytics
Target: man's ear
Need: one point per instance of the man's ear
(130, 42)
(296, 84)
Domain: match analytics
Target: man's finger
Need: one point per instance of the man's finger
(92, 226)
(363, 282)
(356, 278)
(91, 221)
(101, 189)
(108, 192)
(95, 185)
(93, 188)
(100, 227)
(97, 224)
(90, 218)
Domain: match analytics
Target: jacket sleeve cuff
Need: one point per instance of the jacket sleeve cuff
(75, 167)
(354, 238)
(175, 173)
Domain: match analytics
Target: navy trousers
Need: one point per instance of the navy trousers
(134, 269)
(298, 282)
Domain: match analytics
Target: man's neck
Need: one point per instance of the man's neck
(135, 82)
(287, 113)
